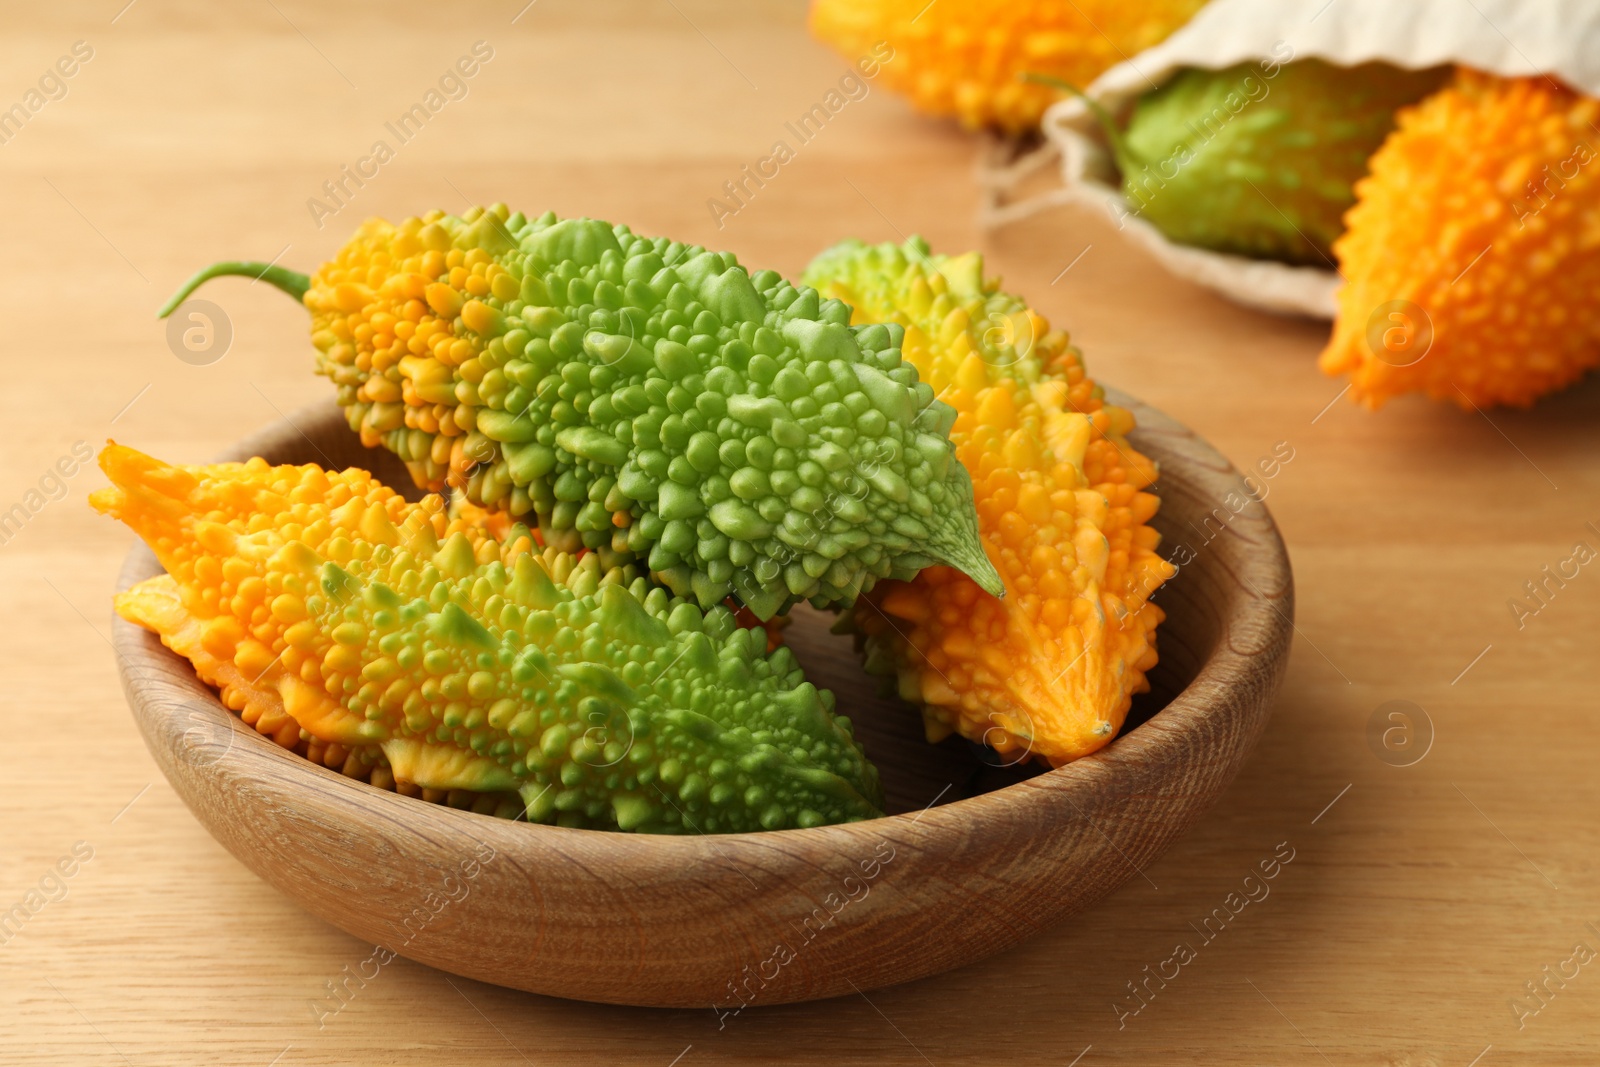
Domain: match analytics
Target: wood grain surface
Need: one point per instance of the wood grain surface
(1420, 899)
(970, 861)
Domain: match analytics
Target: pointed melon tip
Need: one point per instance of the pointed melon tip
(986, 576)
(966, 554)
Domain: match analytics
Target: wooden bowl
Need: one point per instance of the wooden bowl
(972, 859)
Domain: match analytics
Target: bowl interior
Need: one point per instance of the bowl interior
(914, 773)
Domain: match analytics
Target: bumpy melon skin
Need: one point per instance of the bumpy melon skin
(1048, 673)
(158, 605)
(967, 59)
(1472, 260)
(1262, 161)
(479, 664)
(646, 397)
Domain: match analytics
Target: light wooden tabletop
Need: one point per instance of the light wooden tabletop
(1420, 900)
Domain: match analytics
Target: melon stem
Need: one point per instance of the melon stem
(291, 282)
(1127, 159)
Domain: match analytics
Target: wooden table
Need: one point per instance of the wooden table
(1420, 899)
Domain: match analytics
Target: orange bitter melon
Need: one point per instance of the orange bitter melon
(1050, 671)
(362, 620)
(967, 58)
(1472, 255)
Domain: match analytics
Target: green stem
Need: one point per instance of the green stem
(289, 281)
(1126, 159)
